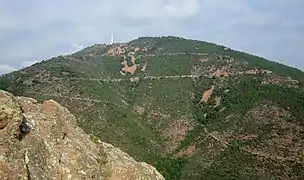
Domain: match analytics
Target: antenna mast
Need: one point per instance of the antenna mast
(112, 38)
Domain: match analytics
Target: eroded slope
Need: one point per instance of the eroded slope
(187, 107)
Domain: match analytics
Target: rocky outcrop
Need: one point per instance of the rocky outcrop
(42, 141)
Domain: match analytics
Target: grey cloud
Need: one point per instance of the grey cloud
(38, 29)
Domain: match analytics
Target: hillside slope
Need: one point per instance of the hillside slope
(42, 141)
(190, 108)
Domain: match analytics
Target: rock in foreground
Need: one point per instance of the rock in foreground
(42, 141)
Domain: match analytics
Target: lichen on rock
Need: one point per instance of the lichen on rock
(42, 141)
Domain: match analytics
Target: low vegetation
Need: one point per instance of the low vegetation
(255, 132)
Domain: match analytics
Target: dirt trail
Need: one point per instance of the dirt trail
(144, 68)
(112, 53)
(72, 98)
(146, 77)
(255, 153)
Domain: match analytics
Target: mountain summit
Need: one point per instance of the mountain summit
(190, 108)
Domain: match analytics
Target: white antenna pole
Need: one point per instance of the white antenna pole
(112, 38)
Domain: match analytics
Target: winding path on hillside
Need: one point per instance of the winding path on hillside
(255, 153)
(146, 78)
(219, 140)
(109, 79)
(153, 55)
(74, 98)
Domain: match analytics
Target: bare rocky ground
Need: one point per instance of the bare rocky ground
(42, 141)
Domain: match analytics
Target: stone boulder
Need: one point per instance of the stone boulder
(43, 142)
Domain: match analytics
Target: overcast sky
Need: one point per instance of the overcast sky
(33, 30)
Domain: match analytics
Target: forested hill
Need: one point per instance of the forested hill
(192, 109)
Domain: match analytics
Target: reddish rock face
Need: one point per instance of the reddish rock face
(207, 94)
